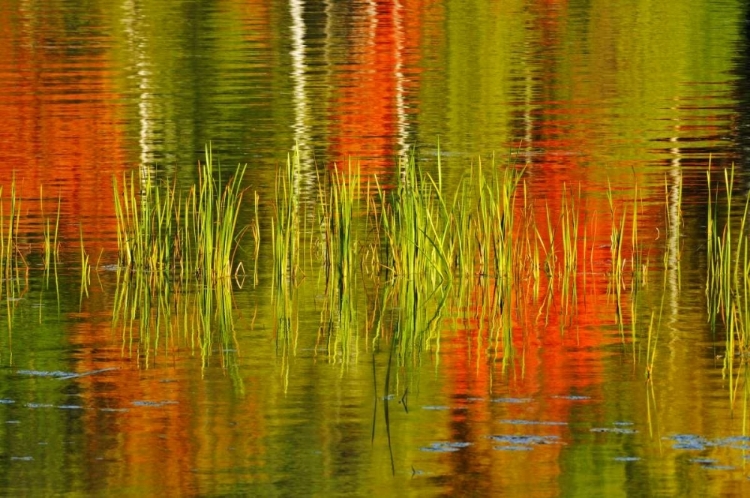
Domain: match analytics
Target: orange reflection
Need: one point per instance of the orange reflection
(369, 112)
(559, 338)
(59, 127)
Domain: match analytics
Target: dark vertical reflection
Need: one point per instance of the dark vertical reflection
(742, 122)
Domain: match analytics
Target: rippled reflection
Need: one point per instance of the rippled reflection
(111, 391)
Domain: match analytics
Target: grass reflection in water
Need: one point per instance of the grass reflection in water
(397, 264)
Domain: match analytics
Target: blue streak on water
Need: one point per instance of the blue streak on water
(532, 422)
(445, 447)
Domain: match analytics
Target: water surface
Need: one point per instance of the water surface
(583, 94)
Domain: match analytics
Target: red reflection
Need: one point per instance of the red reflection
(555, 359)
(368, 113)
(59, 128)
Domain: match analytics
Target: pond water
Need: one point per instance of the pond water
(142, 384)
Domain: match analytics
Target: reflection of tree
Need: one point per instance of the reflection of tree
(189, 82)
(369, 112)
(58, 121)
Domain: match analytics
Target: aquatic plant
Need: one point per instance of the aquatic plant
(215, 220)
(728, 276)
(256, 241)
(160, 230)
(85, 267)
(50, 245)
(423, 255)
(285, 225)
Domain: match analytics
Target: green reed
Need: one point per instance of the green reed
(256, 241)
(341, 254)
(285, 225)
(404, 216)
(144, 212)
(85, 268)
(416, 226)
(428, 243)
(728, 275)
(495, 219)
(463, 248)
(9, 247)
(616, 240)
(159, 230)
(570, 220)
(13, 264)
(336, 211)
(216, 220)
(50, 244)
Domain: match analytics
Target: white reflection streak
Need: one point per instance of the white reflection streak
(146, 133)
(675, 233)
(372, 15)
(299, 79)
(402, 131)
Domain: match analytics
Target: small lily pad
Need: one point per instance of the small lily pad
(614, 430)
(516, 401)
(524, 439)
(738, 442)
(532, 422)
(445, 447)
(153, 403)
(688, 442)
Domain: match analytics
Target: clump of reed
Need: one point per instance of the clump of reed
(170, 239)
(13, 261)
(50, 244)
(432, 238)
(415, 224)
(161, 228)
(145, 224)
(215, 213)
(420, 243)
(337, 217)
(728, 272)
(285, 225)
